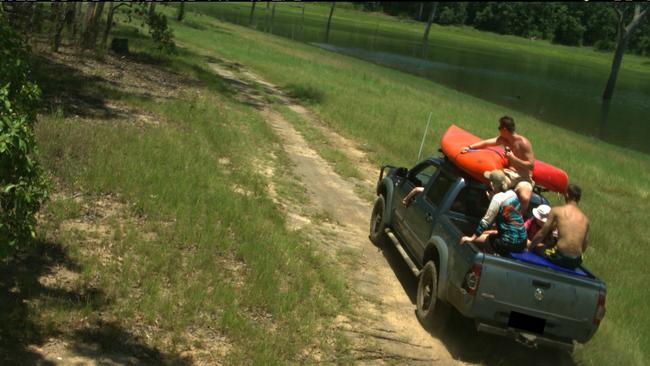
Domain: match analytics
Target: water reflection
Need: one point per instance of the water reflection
(572, 101)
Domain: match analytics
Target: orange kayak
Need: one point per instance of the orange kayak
(475, 162)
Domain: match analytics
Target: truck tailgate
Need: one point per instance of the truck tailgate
(526, 296)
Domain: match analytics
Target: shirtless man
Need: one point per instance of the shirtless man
(572, 226)
(520, 156)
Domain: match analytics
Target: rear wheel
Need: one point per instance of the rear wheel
(378, 223)
(431, 312)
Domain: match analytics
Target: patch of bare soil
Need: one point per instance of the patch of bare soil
(384, 329)
(92, 341)
(92, 89)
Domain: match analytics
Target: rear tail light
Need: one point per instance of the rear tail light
(600, 309)
(472, 279)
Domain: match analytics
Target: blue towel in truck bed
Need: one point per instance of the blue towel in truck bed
(530, 257)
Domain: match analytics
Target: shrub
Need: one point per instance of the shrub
(605, 45)
(22, 185)
(162, 36)
(569, 31)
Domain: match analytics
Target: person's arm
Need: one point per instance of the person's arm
(480, 145)
(527, 224)
(525, 162)
(547, 228)
(584, 243)
(407, 200)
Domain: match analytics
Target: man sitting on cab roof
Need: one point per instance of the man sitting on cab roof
(519, 153)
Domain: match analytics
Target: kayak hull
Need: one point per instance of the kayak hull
(477, 161)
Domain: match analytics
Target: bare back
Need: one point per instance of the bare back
(572, 226)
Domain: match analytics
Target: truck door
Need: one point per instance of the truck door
(420, 217)
(418, 176)
(465, 212)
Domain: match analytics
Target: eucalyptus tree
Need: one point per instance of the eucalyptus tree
(251, 17)
(329, 22)
(623, 35)
(425, 38)
(91, 25)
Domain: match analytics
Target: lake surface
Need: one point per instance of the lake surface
(564, 94)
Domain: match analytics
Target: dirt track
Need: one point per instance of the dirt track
(384, 328)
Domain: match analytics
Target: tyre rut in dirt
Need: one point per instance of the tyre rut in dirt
(431, 312)
(378, 223)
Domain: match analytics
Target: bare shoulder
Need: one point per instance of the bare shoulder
(525, 142)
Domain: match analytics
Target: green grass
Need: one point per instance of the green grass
(207, 236)
(387, 109)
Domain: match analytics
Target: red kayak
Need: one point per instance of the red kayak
(475, 162)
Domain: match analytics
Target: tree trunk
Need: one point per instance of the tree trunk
(76, 20)
(425, 39)
(623, 37)
(251, 17)
(272, 19)
(35, 22)
(90, 9)
(152, 9)
(621, 45)
(181, 12)
(93, 15)
(302, 20)
(109, 24)
(58, 21)
(421, 11)
(266, 16)
(329, 22)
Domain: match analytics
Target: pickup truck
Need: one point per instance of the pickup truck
(532, 303)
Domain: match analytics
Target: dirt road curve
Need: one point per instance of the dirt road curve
(384, 329)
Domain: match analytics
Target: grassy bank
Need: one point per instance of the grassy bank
(386, 110)
(196, 262)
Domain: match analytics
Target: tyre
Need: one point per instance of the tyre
(378, 223)
(431, 312)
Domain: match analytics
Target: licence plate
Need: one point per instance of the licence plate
(526, 322)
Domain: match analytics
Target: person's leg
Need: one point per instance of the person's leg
(561, 260)
(484, 237)
(483, 242)
(524, 192)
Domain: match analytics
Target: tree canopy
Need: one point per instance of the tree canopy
(574, 24)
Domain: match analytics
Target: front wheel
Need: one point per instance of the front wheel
(378, 223)
(431, 312)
